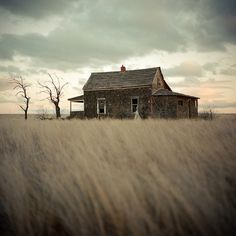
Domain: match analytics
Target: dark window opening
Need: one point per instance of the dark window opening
(180, 103)
(134, 104)
(101, 106)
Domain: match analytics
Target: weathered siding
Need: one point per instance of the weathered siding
(118, 102)
(164, 107)
(183, 110)
(159, 82)
(168, 107)
(193, 108)
(188, 109)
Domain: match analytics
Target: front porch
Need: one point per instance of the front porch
(77, 107)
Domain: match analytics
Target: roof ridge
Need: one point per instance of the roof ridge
(118, 71)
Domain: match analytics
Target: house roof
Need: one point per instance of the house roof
(166, 92)
(118, 79)
(77, 99)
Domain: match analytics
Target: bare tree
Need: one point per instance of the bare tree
(21, 86)
(53, 89)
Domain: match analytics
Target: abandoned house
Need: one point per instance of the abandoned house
(124, 93)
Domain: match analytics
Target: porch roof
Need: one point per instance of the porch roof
(166, 92)
(77, 99)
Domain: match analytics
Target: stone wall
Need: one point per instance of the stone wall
(118, 102)
(164, 107)
(188, 109)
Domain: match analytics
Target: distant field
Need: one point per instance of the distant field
(113, 177)
(30, 116)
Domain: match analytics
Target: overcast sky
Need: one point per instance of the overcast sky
(193, 41)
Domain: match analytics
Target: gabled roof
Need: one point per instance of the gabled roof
(118, 79)
(166, 92)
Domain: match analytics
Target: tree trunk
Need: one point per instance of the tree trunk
(26, 115)
(58, 111)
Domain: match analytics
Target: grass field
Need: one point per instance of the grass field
(112, 177)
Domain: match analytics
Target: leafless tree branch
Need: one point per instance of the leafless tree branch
(22, 86)
(54, 89)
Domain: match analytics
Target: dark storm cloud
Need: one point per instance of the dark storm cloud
(83, 42)
(36, 8)
(109, 31)
(225, 7)
(216, 24)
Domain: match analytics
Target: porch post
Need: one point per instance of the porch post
(151, 103)
(197, 107)
(70, 107)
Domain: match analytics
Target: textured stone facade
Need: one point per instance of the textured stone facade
(188, 108)
(164, 107)
(118, 102)
(174, 107)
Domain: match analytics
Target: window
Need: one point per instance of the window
(134, 104)
(101, 106)
(180, 103)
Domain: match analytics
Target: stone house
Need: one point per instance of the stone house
(124, 93)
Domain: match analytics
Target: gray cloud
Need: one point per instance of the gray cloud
(187, 82)
(220, 104)
(229, 71)
(226, 7)
(211, 66)
(10, 69)
(185, 69)
(213, 24)
(196, 82)
(101, 32)
(98, 33)
(36, 8)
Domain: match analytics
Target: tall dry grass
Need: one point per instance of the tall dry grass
(152, 177)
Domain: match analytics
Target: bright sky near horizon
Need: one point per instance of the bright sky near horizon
(193, 41)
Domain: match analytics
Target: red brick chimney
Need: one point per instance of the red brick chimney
(122, 69)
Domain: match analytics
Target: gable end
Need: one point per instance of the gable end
(159, 81)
